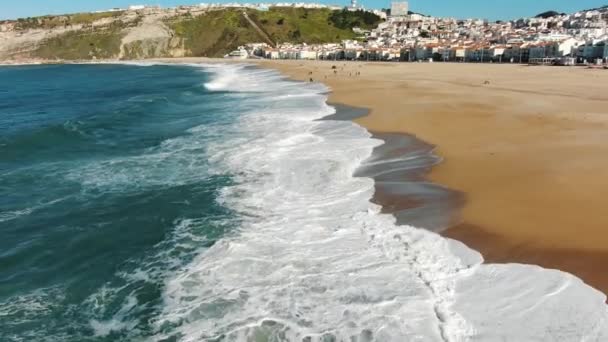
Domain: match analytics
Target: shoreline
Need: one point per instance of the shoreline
(514, 150)
(399, 168)
(297, 249)
(524, 151)
(378, 261)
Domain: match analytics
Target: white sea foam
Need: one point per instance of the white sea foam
(118, 322)
(14, 214)
(25, 310)
(315, 260)
(174, 162)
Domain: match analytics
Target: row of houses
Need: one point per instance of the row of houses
(569, 51)
(323, 52)
(385, 54)
(519, 53)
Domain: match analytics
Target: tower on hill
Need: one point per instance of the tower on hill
(399, 8)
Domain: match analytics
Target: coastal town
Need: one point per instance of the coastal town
(549, 38)
(552, 38)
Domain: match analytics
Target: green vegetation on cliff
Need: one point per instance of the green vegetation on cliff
(212, 34)
(217, 32)
(83, 44)
(57, 21)
(346, 19)
(302, 25)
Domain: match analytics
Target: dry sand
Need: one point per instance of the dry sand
(529, 148)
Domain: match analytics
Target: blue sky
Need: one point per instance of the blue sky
(453, 8)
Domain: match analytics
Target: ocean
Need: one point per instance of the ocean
(211, 203)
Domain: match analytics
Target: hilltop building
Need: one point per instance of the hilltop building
(399, 8)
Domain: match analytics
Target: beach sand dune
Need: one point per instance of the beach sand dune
(528, 146)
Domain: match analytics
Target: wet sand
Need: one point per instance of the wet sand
(399, 168)
(528, 146)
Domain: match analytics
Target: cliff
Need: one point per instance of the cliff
(174, 32)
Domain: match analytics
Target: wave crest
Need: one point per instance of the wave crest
(315, 260)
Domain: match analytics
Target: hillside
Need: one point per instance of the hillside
(171, 33)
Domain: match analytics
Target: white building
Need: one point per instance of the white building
(399, 8)
(306, 54)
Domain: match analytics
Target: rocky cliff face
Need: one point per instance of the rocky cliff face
(128, 34)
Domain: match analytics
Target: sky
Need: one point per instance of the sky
(488, 9)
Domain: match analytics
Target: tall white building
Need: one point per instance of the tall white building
(399, 8)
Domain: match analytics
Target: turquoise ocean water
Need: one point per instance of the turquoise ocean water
(104, 190)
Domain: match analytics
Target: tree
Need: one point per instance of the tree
(346, 19)
(547, 14)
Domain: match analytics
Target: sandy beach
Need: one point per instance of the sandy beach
(526, 145)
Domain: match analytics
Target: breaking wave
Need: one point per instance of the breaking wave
(226, 210)
(315, 260)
